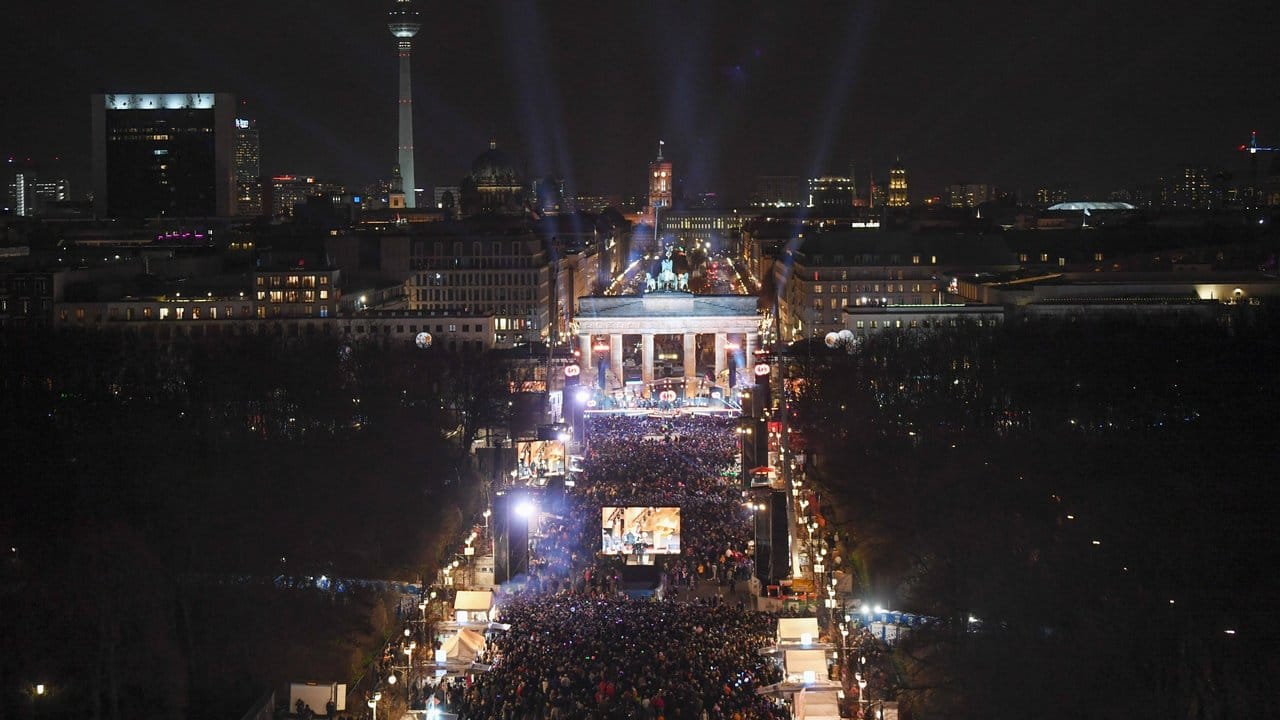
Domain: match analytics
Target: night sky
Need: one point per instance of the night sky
(1018, 94)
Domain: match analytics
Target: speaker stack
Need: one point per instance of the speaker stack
(510, 539)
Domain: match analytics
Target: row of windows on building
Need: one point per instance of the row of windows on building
(203, 311)
(872, 288)
(290, 329)
(1044, 258)
(228, 312)
(292, 281)
(471, 295)
(449, 262)
(495, 248)
(819, 259)
(475, 279)
(292, 296)
(925, 323)
(838, 303)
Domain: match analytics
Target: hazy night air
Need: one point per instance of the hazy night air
(607, 360)
(1015, 94)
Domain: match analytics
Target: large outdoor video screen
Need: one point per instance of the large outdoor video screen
(640, 530)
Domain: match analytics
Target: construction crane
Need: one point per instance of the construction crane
(1253, 148)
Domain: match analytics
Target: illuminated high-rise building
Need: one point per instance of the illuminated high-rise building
(282, 194)
(660, 182)
(1191, 189)
(248, 169)
(897, 196)
(30, 196)
(163, 154)
(967, 195)
(403, 23)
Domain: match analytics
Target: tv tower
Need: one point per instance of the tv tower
(403, 23)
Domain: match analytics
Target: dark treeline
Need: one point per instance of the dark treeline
(132, 466)
(1062, 482)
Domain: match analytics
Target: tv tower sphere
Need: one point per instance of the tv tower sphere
(402, 20)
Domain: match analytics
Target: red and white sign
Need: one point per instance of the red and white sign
(572, 370)
(762, 369)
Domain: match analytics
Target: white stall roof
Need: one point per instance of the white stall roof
(790, 629)
(473, 600)
(797, 661)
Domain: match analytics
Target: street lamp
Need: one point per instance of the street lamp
(373, 703)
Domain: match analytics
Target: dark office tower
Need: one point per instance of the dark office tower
(833, 194)
(403, 23)
(248, 169)
(777, 191)
(163, 154)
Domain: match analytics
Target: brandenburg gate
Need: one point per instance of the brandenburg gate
(668, 313)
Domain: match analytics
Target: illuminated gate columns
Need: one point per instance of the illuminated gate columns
(667, 313)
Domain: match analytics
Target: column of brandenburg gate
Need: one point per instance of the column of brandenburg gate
(667, 313)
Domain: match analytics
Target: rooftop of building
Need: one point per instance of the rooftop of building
(1090, 206)
(849, 247)
(1195, 275)
(667, 303)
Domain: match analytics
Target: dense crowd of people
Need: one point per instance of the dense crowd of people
(579, 647)
(573, 656)
(673, 461)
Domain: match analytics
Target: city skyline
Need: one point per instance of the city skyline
(1027, 97)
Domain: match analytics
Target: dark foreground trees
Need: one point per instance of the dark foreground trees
(132, 467)
(1084, 505)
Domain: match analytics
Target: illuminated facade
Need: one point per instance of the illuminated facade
(661, 180)
(835, 271)
(163, 155)
(29, 195)
(296, 293)
(283, 193)
(488, 267)
(248, 169)
(967, 195)
(897, 195)
(701, 227)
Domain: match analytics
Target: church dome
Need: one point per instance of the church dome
(492, 166)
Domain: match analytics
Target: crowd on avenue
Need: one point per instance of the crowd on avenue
(578, 648)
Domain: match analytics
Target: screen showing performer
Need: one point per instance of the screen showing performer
(640, 530)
